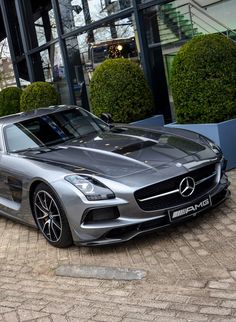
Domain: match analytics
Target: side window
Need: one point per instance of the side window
(17, 140)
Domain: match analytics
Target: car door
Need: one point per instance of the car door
(10, 183)
(10, 180)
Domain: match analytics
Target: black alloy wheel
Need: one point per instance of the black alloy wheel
(50, 217)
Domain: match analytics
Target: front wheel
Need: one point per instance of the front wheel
(50, 217)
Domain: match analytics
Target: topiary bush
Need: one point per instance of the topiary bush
(10, 100)
(118, 86)
(203, 80)
(38, 94)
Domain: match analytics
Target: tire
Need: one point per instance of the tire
(50, 217)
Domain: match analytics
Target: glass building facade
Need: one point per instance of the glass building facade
(63, 41)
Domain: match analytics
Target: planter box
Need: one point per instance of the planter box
(223, 134)
(151, 122)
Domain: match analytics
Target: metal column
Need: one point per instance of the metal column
(23, 31)
(10, 42)
(153, 65)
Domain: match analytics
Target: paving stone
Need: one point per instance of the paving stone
(219, 285)
(57, 308)
(224, 319)
(229, 304)
(215, 310)
(233, 274)
(173, 298)
(10, 304)
(138, 316)
(223, 294)
(189, 316)
(106, 318)
(203, 300)
(4, 309)
(58, 318)
(81, 312)
(195, 283)
(154, 304)
(29, 315)
(183, 307)
(44, 319)
(11, 317)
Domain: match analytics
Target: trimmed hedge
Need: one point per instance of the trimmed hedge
(118, 86)
(38, 94)
(203, 80)
(10, 100)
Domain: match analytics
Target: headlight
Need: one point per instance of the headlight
(90, 187)
(215, 148)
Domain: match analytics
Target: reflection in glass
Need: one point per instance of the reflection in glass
(76, 63)
(45, 26)
(104, 46)
(77, 13)
(66, 16)
(53, 69)
(52, 24)
(47, 65)
(24, 82)
(40, 31)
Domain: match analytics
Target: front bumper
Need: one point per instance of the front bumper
(120, 231)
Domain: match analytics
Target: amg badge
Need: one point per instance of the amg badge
(191, 209)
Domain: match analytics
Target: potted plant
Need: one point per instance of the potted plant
(38, 94)
(203, 82)
(118, 87)
(10, 100)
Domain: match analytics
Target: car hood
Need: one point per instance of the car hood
(126, 151)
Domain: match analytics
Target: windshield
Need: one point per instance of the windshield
(51, 129)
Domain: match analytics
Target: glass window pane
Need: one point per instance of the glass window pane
(17, 139)
(52, 24)
(40, 31)
(44, 23)
(104, 46)
(76, 63)
(77, 13)
(53, 69)
(7, 77)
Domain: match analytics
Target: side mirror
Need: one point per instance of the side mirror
(106, 117)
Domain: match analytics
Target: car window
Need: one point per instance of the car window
(17, 139)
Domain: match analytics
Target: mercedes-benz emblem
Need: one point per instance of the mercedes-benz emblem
(187, 187)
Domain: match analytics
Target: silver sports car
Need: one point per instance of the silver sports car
(80, 180)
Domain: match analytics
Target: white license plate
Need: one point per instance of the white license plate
(191, 209)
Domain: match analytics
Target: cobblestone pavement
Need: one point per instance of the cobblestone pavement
(191, 274)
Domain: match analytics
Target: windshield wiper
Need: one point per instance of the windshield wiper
(39, 149)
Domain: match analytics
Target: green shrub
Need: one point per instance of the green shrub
(118, 87)
(203, 80)
(10, 100)
(38, 94)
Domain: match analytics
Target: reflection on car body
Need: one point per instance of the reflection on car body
(81, 181)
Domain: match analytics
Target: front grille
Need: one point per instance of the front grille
(206, 176)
